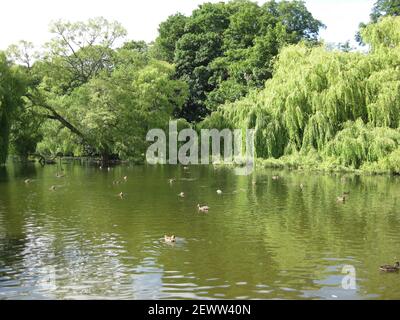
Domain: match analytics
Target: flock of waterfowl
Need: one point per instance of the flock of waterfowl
(204, 208)
(52, 188)
(201, 208)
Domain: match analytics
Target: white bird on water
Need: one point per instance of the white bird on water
(169, 239)
(203, 208)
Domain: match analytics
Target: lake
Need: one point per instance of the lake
(261, 239)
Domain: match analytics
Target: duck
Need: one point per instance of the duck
(126, 178)
(390, 268)
(27, 181)
(182, 194)
(171, 181)
(203, 208)
(121, 195)
(169, 239)
(219, 191)
(301, 186)
(275, 177)
(53, 188)
(185, 168)
(341, 198)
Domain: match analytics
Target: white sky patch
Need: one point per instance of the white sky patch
(341, 17)
(29, 20)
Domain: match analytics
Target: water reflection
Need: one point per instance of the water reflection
(262, 239)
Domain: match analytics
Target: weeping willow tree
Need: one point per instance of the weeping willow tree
(11, 90)
(343, 106)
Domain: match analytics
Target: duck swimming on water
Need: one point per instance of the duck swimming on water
(390, 268)
(341, 199)
(169, 239)
(203, 208)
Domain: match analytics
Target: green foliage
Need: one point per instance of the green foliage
(224, 50)
(385, 34)
(383, 8)
(309, 106)
(343, 106)
(113, 111)
(59, 140)
(169, 33)
(87, 97)
(390, 163)
(358, 143)
(26, 133)
(12, 87)
(139, 46)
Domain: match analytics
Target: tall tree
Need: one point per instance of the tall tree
(328, 106)
(382, 8)
(98, 99)
(170, 32)
(223, 50)
(12, 87)
(77, 53)
(114, 112)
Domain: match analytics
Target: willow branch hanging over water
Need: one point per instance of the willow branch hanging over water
(343, 107)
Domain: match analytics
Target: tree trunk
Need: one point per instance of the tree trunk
(105, 158)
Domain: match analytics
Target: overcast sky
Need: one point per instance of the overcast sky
(29, 19)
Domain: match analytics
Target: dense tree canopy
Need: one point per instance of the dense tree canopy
(341, 106)
(235, 65)
(382, 8)
(90, 98)
(12, 87)
(224, 49)
(113, 112)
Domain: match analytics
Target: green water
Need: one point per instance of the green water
(269, 240)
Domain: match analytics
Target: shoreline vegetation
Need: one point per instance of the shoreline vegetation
(295, 163)
(234, 65)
